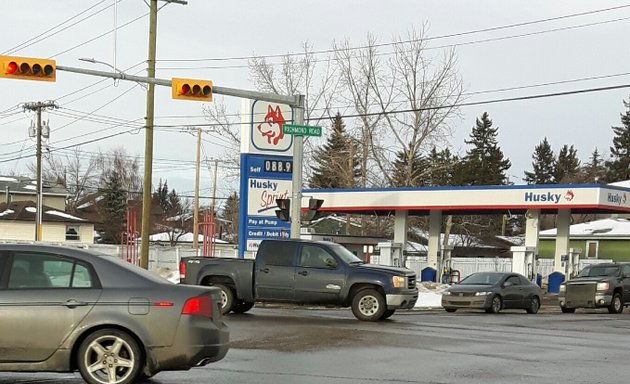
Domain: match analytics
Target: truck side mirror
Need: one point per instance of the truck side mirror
(330, 262)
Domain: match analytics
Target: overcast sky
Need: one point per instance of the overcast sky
(592, 45)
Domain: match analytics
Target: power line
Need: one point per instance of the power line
(41, 36)
(458, 34)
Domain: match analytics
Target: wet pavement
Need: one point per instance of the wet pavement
(280, 345)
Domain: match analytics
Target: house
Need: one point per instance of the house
(600, 239)
(17, 223)
(18, 211)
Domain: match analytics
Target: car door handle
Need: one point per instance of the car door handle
(266, 270)
(72, 303)
(303, 273)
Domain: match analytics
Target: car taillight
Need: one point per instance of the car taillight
(182, 270)
(198, 306)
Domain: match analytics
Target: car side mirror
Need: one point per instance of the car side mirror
(330, 263)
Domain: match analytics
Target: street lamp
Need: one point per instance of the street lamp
(122, 74)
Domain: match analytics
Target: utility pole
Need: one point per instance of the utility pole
(296, 178)
(148, 142)
(196, 213)
(37, 107)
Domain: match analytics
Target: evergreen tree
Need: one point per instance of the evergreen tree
(567, 165)
(484, 164)
(544, 165)
(409, 169)
(230, 217)
(619, 163)
(336, 162)
(595, 170)
(442, 167)
(160, 196)
(113, 208)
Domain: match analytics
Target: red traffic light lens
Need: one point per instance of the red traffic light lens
(185, 89)
(12, 67)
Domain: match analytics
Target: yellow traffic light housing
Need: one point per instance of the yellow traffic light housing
(28, 68)
(191, 89)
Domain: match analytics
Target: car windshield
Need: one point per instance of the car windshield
(482, 278)
(595, 270)
(345, 255)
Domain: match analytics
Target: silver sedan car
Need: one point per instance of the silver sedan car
(65, 309)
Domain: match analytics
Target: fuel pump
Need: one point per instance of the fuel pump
(573, 262)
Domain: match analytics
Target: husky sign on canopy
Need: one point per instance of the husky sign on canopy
(266, 172)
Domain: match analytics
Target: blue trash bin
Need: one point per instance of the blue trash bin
(555, 279)
(427, 274)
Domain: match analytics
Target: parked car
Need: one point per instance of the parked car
(493, 291)
(305, 272)
(597, 286)
(64, 309)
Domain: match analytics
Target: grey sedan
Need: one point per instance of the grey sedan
(65, 309)
(493, 291)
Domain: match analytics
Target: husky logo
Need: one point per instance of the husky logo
(569, 195)
(271, 127)
(268, 122)
(617, 199)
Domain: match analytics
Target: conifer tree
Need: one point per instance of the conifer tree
(543, 165)
(595, 170)
(442, 167)
(336, 162)
(484, 163)
(113, 208)
(619, 163)
(409, 169)
(567, 165)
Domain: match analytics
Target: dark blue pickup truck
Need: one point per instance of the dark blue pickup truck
(305, 272)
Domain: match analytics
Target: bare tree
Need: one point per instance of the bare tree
(127, 167)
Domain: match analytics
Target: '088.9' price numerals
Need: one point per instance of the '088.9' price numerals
(278, 166)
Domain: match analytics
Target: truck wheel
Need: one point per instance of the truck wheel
(451, 310)
(534, 305)
(368, 305)
(616, 305)
(496, 305)
(227, 298)
(242, 307)
(567, 310)
(388, 313)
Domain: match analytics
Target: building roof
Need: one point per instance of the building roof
(184, 238)
(600, 229)
(25, 185)
(26, 211)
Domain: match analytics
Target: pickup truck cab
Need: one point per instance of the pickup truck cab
(305, 272)
(597, 286)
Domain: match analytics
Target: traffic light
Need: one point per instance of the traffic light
(190, 89)
(283, 213)
(28, 68)
(313, 212)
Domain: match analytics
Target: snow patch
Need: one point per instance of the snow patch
(64, 215)
(7, 212)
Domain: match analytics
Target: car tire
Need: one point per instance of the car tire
(368, 305)
(110, 356)
(451, 310)
(227, 298)
(534, 305)
(388, 313)
(242, 306)
(495, 305)
(616, 305)
(567, 310)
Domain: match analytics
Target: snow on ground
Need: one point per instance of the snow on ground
(430, 295)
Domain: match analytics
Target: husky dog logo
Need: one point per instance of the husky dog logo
(569, 195)
(271, 127)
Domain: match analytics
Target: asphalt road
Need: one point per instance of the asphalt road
(325, 346)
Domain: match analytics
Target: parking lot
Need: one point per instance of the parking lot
(281, 345)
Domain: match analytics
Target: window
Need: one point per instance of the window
(32, 270)
(592, 249)
(513, 280)
(278, 252)
(626, 270)
(314, 257)
(72, 233)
